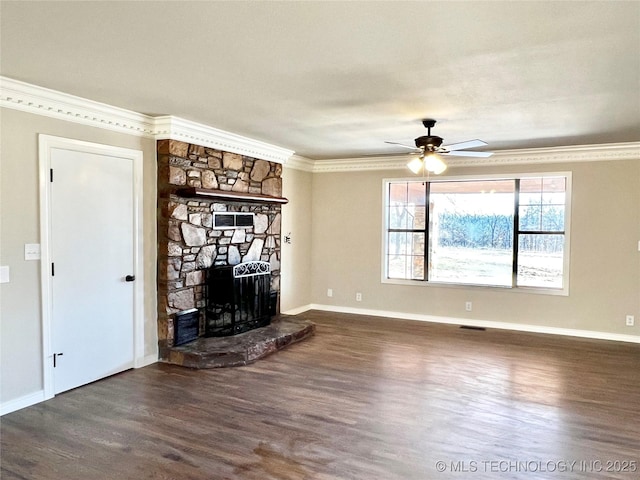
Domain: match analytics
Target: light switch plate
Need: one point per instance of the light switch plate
(32, 251)
(4, 274)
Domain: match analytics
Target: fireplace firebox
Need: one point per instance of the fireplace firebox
(238, 298)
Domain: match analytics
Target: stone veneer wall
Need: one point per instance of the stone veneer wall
(187, 242)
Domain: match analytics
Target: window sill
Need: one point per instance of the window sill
(564, 292)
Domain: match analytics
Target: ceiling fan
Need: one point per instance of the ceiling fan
(430, 148)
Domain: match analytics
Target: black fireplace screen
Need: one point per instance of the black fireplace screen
(237, 298)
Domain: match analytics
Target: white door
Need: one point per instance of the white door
(92, 252)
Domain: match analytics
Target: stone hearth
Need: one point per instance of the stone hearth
(240, 349)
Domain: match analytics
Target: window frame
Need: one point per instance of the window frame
(564, 291)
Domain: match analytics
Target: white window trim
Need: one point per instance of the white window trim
(564, 291)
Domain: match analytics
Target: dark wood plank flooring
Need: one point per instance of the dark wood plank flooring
(365, 398)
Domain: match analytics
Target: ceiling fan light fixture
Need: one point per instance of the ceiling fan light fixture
(415, 165)
(430, 148)
(434, 163)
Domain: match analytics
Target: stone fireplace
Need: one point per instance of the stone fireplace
(215, 208)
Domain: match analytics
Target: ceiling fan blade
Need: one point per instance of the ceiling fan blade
(462, 153)
(464, 145)
(403, 145)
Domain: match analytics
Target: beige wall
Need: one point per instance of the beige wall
(20, 300)
(335, 223)
(21, 323)
(605, 262)
(296, 272)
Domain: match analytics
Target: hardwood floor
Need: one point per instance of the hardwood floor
(365, 398)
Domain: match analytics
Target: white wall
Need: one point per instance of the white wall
(21, 373)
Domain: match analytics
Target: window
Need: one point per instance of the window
(502, 232)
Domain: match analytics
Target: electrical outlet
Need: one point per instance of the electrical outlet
(358, 297)
(630, 321)
(329, 292)
(468, 306)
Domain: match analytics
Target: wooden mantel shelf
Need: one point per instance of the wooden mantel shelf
(229, 196)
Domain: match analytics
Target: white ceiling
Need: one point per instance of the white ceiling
(337, 79)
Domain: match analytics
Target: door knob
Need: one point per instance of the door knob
(129, 278)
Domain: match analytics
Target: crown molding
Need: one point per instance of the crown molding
(569, 154)
(296, 162)
(359, 164)
(29, 98)
(174, 128)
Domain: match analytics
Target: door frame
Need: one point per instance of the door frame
(45, 144)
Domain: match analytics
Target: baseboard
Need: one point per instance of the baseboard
(146, 361)
(298, 310)
(37, 397)
(616, 337)
(22, 402)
